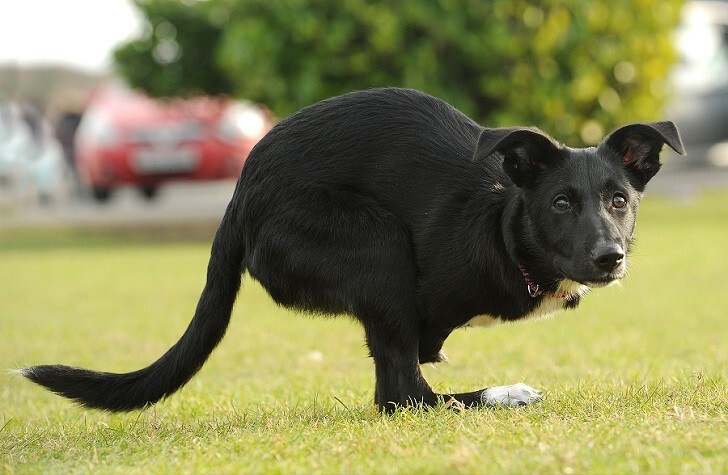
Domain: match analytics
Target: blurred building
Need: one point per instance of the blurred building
(700, 81)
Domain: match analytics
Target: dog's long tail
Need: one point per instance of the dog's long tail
(124, 392)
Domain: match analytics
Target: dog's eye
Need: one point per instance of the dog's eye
(561, 203)
(619, 201)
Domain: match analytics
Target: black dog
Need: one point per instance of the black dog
(392, 206)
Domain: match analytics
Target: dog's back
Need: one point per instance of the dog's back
(398, 145)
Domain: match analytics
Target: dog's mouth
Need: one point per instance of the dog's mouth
(585, 273)
(601, 282)
(595, 281)
(604, 280)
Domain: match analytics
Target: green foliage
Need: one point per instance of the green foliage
(175, 52)
(574, 68)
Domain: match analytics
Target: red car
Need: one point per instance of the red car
(126, 138)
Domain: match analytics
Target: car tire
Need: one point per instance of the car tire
(101, 195)
(149, 192)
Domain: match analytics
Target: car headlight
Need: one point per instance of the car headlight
(241, 121)
(98, 128)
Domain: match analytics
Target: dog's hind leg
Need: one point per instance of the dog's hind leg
(393, 343)
(386, 308)
(431, 347)
(334, 251)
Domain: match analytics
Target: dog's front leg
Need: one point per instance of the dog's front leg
(514, 395)
(506, 396)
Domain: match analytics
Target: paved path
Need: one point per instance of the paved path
(175, 203)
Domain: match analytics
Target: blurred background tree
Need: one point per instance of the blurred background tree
(175, 54)
(574, 68)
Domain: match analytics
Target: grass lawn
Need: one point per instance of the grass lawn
(635, 379)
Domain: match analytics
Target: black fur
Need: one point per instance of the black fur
(392, 206)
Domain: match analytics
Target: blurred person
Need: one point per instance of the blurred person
(65, 129)
(47, 169)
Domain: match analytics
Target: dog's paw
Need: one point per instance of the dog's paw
(510, 396)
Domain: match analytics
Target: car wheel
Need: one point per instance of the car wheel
(101, 195)
(149, 192)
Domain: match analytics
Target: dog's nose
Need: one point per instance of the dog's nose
(608, 257)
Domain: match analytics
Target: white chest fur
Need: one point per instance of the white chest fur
(482, 321)
(547, 307)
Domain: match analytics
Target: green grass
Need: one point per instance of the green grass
(635, 379)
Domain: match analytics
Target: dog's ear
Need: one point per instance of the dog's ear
(638, 148)
(526, 151)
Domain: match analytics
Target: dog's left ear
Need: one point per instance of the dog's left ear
(526, 151)
(638, 147)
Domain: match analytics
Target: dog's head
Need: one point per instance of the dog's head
(580, 205)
